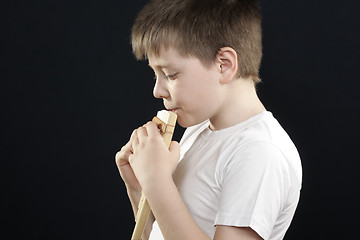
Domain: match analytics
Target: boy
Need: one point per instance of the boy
(239, 175)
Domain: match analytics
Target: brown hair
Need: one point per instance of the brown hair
(200, 28)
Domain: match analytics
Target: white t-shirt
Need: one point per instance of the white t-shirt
(247, 175)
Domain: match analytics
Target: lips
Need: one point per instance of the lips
(172, 109)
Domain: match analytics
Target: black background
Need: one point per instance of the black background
(71, 93)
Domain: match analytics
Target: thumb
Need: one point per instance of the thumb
(174, 149)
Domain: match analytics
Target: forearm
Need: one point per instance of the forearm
(170, 211)
(134, 197)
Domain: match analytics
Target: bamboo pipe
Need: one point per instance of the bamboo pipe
(166, 121)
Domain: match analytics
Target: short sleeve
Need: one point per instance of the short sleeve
(254, 185)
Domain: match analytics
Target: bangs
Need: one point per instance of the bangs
(152, 40)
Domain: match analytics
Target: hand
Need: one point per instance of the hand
(126, 172)
(151, 160)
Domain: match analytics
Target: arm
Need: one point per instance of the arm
(176, 222)
(132, 185)
(170, 211)
(153, 166)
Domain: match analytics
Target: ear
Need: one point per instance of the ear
(227, 59)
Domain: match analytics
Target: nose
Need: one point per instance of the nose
(160, 90)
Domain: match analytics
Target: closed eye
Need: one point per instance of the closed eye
(172, 76)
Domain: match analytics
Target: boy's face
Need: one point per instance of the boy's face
(187, 87)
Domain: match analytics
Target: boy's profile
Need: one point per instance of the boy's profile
(236, 173)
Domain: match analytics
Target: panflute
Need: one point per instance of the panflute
(166, 121)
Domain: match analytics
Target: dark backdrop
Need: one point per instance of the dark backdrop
(71, 93)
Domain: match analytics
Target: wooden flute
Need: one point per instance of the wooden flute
(166, 121)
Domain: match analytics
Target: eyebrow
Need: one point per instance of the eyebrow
(158, 66)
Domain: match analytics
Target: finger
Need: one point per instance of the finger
(134, 141)
(152, 129)
(131, 159)
(127, 147)
(122, 156)
(141, 133)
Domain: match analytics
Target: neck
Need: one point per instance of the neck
(240, 103)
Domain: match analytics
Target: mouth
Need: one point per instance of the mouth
(172, 109)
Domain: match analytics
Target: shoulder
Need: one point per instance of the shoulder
(263, 144)
(254, 158)
(265, 139)
(258, 157)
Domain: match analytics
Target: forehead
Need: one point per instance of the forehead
(166, 57)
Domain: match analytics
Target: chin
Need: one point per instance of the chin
(183, 124)
(187, 122)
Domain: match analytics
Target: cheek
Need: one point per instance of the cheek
(196, 107)
(205, 92)
(187, 96)
(196, 93)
